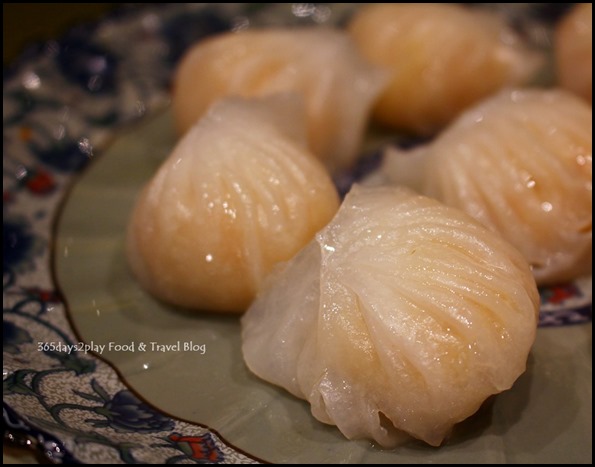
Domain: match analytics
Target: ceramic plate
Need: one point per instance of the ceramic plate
(95, 370)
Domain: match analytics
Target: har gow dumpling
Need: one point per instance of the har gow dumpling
(442, 58)
(521, 163)
(402, 315)
(322, 64)
(573, 51)
(239, 193)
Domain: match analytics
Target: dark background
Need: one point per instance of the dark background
(25, 24)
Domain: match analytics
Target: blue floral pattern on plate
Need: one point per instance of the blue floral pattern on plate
(63, 101)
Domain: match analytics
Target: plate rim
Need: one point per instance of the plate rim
(17, 426)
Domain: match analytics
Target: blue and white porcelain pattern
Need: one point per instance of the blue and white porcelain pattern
(63, 102)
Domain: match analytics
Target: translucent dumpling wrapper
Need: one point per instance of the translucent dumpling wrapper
(521, 163)
(239, 193)
(402, 316)
(322, 64)
(573, 51)
(442, 58)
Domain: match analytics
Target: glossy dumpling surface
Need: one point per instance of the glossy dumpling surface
(238, 193)
(521, 163)
(573, 51)
(442, 58)
(320, 63)
(402, 315)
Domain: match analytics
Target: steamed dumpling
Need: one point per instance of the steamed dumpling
(573, 51)
(239, 193)
(402, 315)
(322, 64)
(521, 163)
(442, 58)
